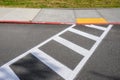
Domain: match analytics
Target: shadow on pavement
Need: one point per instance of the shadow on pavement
(30, 68)
(105, 76)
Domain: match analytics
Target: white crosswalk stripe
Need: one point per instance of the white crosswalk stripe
(90, 36)
(72, 46)
(52, 63)
(96, 27)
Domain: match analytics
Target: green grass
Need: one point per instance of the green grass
(61, 3)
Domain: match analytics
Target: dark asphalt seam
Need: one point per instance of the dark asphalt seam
(100, 14)
(74, 13)
(36, 15)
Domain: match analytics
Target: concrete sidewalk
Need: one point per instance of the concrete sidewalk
(58, 15)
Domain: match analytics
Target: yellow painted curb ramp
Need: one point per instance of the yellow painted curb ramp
(91, 20)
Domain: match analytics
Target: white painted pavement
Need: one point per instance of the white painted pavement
(90, 36)
(63, 71)
(71, 45)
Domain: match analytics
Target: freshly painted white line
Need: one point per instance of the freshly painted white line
(55, 65)
(7, 74)
(90, 36)
(101, 38)
(72, 46)
(96, 27)
(85, 59)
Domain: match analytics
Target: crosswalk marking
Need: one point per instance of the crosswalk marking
(57, 66)
(90, 36)
(6, 73)
(96, 27)
(52, 63)
(101, 38)
(85, 59)
(72, 46)
(6, 66)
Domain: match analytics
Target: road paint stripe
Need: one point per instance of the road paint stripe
(55, 65)
(90, 20)
(85, 59)
(74, 47)
(101, 38)
(6, 73)
(90, 36)
(96, 27)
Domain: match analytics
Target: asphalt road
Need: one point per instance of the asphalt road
(19, 38)
(63, 53)
(104, 64)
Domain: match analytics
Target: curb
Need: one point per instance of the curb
(30, 22)
(100, 23)
(57, 23)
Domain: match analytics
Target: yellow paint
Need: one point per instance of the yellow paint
(91, 20)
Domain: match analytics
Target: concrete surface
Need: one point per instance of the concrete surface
(20, 14)
(86, 13)
(58, 15)
(55, 15)
(5, 11)
(111, 15)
